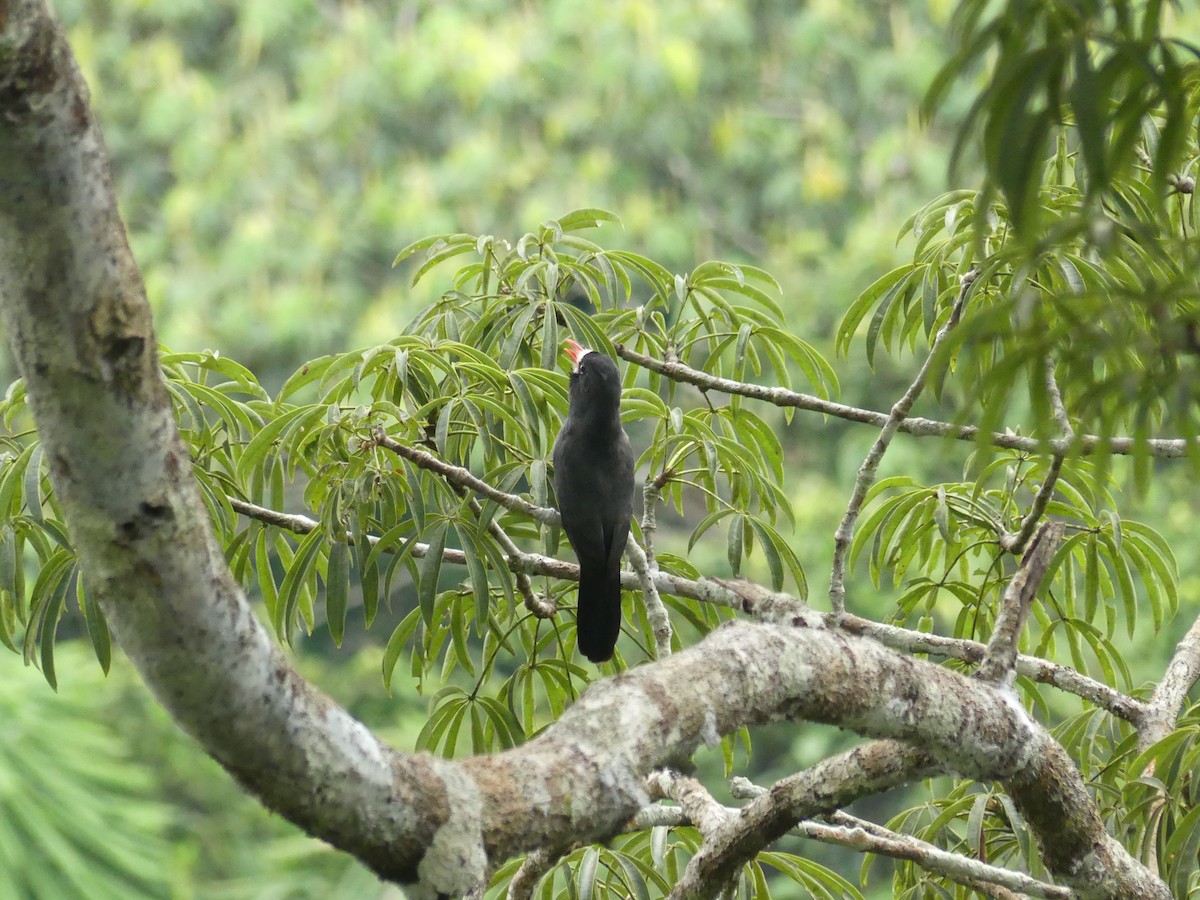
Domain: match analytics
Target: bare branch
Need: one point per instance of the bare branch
(870, 465)
(459, 476)
(845, 830)
(298, 524)
(858, 834)
(1056, 402)
(1159, 448)
(1015, 543)
(656, 611)
(1033, 667)
(999, 660)
(651, 494)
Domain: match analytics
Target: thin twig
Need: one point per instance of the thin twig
(656, 611)
(1015, 542)
(999, 660)
(540, 606)
(1056, 402)
(1159, 448)
(866, 837)
(459, 476)
(645, 564)
(537, 863)
(870, 466)
(651, 494)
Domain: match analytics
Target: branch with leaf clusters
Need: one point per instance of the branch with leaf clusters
(741, 596)
(916, 426)
(697, 807)
(870, 465)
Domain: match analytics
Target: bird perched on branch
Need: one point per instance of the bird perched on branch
(593, 478)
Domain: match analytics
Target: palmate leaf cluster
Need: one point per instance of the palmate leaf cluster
(939, 546)
(1083, 234)
(647, 863)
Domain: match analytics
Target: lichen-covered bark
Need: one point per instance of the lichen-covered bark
(76, 317)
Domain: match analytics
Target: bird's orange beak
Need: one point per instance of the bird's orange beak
(576, 351)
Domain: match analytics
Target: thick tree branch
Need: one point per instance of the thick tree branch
(844, 830)
(77, 320)
(870, 466)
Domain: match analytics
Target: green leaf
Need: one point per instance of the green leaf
(1182, 850)
(295, 582)
(253, 456)
(590, 217)
(431, 569)
(97, 625)
(736, 542)
(478, 574)
(396, 644)
(866, 300)
(337, 586)
(585, 874)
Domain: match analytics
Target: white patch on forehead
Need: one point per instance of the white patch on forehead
(579, 359)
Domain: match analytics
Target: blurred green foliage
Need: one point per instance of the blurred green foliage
(271, 157)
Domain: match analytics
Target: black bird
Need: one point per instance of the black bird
(593, 478)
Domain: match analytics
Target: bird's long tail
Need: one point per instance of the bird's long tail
(599, 617)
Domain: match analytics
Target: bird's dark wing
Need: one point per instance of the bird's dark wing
(620, 503)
